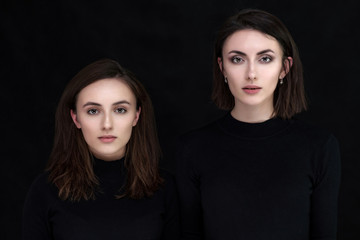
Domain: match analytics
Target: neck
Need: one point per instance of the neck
(252, 114)
(109, 157)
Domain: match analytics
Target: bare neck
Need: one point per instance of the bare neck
(252, 114)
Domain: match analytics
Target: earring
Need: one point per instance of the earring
(226, 81)
(281, 81)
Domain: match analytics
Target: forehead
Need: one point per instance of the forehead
(251, 40)
(106, 90)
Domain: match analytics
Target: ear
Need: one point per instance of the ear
(220, 63)
(74, 118)
(137, 116)
(287, 65)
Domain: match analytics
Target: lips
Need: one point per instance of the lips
(251, 89)
(107, 138)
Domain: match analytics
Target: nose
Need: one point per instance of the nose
(107, 121)
(251, 75)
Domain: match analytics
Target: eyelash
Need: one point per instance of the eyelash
(94, 111)
(237, 59)
(268, 59)
(120, 110)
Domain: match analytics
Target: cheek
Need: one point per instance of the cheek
(123, 125)
(125, 128)
(88, 128)
(88, 134)
(270, 74)
(235, 73)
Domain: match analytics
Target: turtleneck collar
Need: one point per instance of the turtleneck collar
(108, 168)
(111, 176)
(264, 129)
(103, 163)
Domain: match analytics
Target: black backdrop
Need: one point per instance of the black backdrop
(168, 44)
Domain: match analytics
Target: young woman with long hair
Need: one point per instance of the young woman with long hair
(102, 180)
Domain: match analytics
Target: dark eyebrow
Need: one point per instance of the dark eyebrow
(265, 51)
(238, 52)
(97, 104)
(259, 53)
(122, 102)
(91, 104)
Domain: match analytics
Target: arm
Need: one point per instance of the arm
(324, 200)
(34, 223)
(188, 183)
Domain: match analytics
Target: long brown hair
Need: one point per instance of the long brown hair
(289, 97)
(70, 165)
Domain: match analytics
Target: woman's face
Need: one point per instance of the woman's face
(252, 63)
(106, 113)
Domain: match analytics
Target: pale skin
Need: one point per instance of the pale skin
(252, 63)
(106, 114)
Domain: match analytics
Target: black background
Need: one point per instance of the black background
(168, 44)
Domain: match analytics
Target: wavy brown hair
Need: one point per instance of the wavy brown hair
(70, 165)
(289, 97)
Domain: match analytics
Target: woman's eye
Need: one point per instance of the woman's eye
(120, 110)
(92, 111)
(236, 59)
(266, 59)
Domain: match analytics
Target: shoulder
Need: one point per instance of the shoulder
(41, 187)
(41, 197)
(320, 143)
(40, 181)
(325, 152)
(194, 142)
(312, 133)
(202, 133)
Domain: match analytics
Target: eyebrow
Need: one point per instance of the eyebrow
(97, 104)
(259, 53)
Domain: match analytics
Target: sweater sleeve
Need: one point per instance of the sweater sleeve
(324, 199)
(34, 223)
(188, 183)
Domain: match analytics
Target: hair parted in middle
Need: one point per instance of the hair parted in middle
(70, 165)
(289, 97)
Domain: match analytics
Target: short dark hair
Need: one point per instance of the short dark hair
(289, 98)
(70, 164)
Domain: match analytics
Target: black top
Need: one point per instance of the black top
(272, 180)
(48, 217)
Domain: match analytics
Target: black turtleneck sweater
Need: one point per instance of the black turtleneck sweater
(47, 217)
(275, 180)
